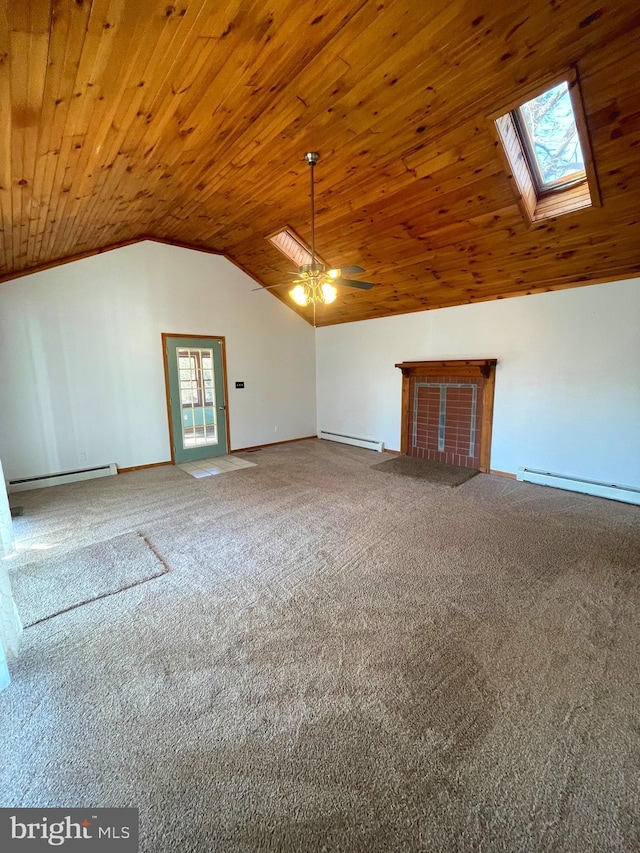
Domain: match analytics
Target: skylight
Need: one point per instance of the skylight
(545, 145)
(547, 126)
(292, 246)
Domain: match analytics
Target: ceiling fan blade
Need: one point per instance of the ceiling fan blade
(271, 286)
(363, 285)
(339, 271)
(354, 269)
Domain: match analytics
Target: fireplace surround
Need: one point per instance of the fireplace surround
(447, 411)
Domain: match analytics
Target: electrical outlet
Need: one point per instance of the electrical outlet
(275, 429)
(82, 456)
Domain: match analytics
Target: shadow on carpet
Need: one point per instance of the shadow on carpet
(434, 473)
(64, 582)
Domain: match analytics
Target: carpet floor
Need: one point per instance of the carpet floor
(338, 661)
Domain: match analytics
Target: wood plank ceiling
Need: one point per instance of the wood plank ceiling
(188, 121)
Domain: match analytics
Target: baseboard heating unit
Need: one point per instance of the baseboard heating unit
(24, 483)
(367, 443)
(627, 494)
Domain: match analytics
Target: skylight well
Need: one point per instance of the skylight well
(546, 146)
(288, 242)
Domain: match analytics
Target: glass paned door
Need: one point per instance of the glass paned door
(195, 374)
(199, 421)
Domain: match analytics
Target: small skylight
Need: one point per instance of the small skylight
(546, 148)
(547, 126)
(292, 246)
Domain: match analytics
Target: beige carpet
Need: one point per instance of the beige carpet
(339, 661)
(61, 582)
(434, 473)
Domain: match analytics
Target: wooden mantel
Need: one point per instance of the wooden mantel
(467, 367)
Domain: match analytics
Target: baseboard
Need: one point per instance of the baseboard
(59, 478)
(271, 444)
(235, 450)
(143, 467)
(342, 438)
(503, 474)
(612, 491)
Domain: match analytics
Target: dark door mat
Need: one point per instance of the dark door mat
(435, 473)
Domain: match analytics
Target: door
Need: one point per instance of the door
(196, 395)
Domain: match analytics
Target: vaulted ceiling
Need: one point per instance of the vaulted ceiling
(188, 121)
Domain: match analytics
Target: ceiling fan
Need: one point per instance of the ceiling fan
(314, 283)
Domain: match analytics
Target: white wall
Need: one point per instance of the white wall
(81, 366)
(81, 369)
(567, 394)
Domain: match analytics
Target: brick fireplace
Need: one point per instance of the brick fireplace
(447, 411)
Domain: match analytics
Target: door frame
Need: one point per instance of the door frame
(483, 367)
(166, 337)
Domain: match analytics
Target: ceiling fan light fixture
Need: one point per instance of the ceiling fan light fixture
(315, 285)
(299, 295)
(315, 282)
(329, 293)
